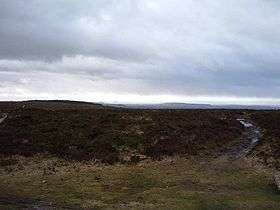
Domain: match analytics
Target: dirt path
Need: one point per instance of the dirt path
(249, 140)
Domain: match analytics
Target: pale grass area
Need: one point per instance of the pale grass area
(173, 183)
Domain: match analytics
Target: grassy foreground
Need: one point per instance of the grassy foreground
(172, 183)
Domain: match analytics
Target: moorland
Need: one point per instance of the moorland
(77, 155)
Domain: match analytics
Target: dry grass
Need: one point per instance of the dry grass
(173, 183)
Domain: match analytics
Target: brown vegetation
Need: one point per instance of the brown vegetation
(110, 135)
(54, 155)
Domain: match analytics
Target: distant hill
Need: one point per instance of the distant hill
(50, 104)
(66, 104)
(193, 106)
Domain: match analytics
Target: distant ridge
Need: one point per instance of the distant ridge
(193, 106)
(68, 104)
(51, 104)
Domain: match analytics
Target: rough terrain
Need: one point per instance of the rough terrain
(55, 155)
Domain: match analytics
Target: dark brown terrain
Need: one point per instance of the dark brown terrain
(84, 131)
(73, 155)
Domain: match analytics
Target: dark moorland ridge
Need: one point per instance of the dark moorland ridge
(82, 131)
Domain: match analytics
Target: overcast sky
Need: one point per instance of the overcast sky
(139, 51)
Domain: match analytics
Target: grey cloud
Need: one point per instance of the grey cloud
(50, 29)
(188, 48)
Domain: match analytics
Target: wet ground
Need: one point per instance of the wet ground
(3, 117)
(249, 140)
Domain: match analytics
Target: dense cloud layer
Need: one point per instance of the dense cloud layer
(105, 50)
